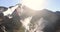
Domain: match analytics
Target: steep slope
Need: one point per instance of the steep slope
(50, 16)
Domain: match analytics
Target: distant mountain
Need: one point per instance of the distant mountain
(2, 8)
(57, 12)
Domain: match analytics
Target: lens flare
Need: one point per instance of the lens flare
(35, 4)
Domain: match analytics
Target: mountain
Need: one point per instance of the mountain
(2, 9)
(57, 12)
(50, 20)
(50, 17)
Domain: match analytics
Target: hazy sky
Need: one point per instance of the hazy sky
(8, 3)
(34, 4)
(54, 5)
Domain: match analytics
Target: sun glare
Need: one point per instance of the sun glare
(35, 4)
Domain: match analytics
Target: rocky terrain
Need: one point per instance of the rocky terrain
(41, 21)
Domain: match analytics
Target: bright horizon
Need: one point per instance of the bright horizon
(42, 4)
(34, 4)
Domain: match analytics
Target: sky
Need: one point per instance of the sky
(8, 3)
(53, 5)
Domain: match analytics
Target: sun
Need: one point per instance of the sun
(35, 4)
